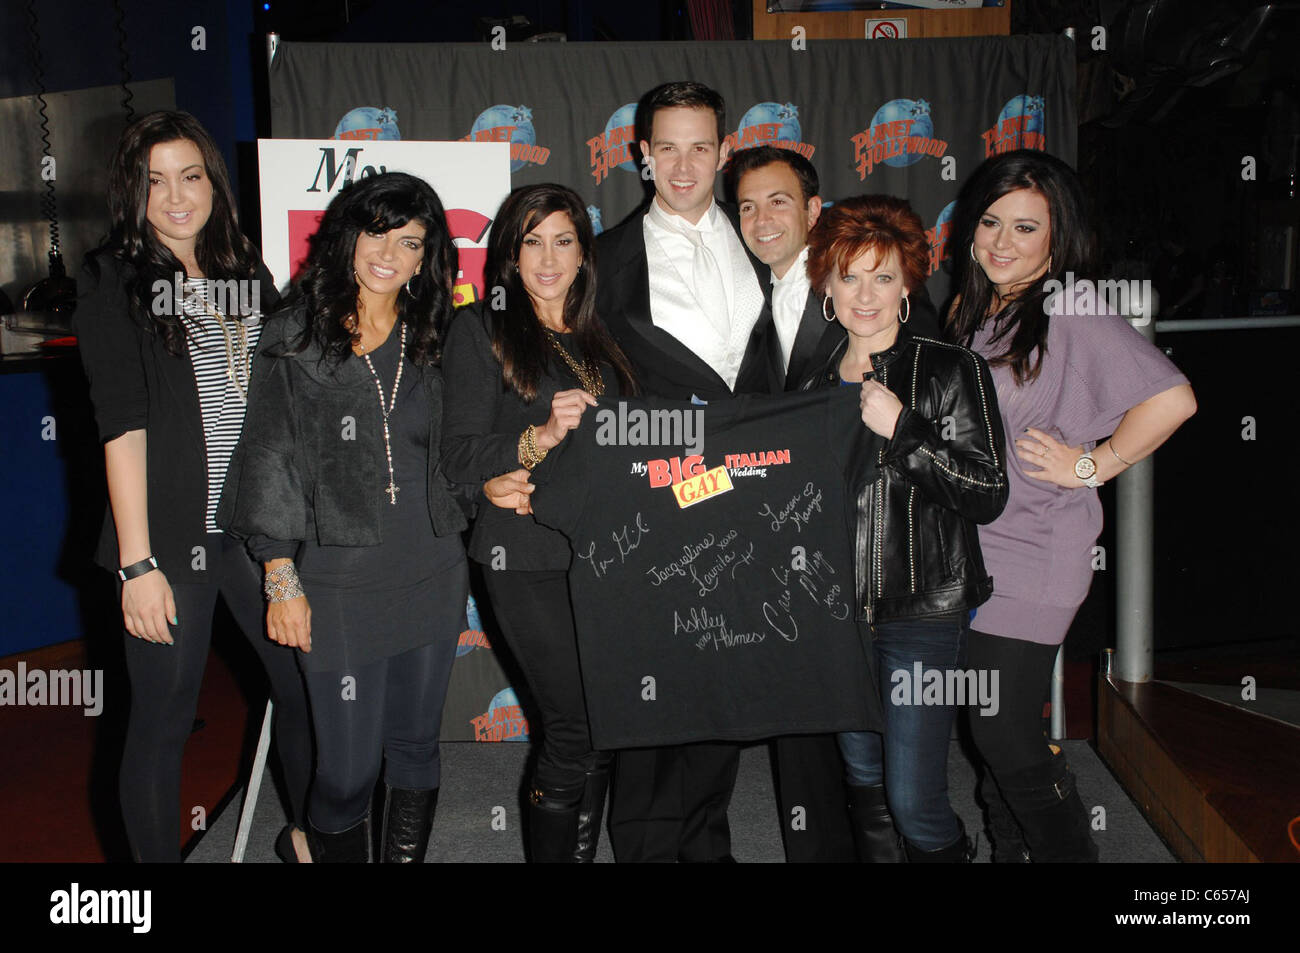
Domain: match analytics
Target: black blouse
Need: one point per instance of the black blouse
(482, 421)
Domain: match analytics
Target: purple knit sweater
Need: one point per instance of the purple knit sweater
(1039, 551)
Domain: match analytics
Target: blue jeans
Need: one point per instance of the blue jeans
(912, 756)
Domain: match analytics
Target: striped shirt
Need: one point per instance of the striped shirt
(220, 352)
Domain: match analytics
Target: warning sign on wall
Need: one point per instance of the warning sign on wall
(891, 29)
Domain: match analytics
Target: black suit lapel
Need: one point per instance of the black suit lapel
(633, 276)
(812, 325)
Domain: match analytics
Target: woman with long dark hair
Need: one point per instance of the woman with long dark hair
(928, 467)
(1069, 373)
(169, 314)
(522, 367)
(337, 486)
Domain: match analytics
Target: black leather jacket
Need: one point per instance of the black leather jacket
(917, 496)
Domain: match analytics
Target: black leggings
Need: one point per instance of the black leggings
(1013, 739)
(389, 711)
(165, 683)
(536, 618)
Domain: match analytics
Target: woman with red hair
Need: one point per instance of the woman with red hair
(927, 467)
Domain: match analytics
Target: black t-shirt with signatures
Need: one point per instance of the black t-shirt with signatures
(712, 577)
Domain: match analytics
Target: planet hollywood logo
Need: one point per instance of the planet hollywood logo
(612, 149)
(597, 223)
(473, 637)
(503, 721)
(771, 124)
(938, 236)
(1020, 125)
(512, 124)
(368, 122)
(899, 134)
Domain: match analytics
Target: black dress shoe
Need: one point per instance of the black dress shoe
(284, 848)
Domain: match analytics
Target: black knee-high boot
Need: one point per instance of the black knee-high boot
(553, 824)
(1046, 802)
(874, 836)
(1004, 832)
(591, 814)
(408, 818)
(351, 846)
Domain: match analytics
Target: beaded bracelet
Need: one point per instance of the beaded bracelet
(282, 584)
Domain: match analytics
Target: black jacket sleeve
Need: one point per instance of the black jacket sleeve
(966, 473)
(266, 492)
(109, 340)
(471, 452)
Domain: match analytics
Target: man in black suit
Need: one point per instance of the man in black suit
(777, 194)
(685, 301)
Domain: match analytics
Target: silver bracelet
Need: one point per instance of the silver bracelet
(1111, 443)
(282, 584)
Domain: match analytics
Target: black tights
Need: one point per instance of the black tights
(1013, 739)
(165, 683)
(536, 618)
(386, 711)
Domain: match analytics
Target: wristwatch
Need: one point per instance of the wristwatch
(1085, 468)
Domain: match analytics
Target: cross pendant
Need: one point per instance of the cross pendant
(391, 490)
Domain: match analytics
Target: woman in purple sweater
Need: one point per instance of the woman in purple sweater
(1069, 373)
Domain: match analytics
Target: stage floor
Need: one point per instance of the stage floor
(480, 777)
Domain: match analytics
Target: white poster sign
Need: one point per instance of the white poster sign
(299, 178)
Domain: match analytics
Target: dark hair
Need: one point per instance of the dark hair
(517, 338)
(221, 248)
(879, 223)
(327, 283)
(670, 95)
(747, 160)
(1022, 321)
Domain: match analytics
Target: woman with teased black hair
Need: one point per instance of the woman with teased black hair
(520, 377)
(169, 313)
(337, 485)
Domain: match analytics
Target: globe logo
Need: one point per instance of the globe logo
(597, 226)
(368, 122)
(1030, 107)
(783, 120)
(938, 236)
(472, 637)
(917, 111)
(625, 115)
(520, 121)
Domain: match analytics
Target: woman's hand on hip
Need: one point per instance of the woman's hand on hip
(148, 606)
(511, 491)
(289, 623)
(1053, 459)
(880, 409)
(566, 413)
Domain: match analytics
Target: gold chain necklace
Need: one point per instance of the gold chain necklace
(588, 374)
(233, 349)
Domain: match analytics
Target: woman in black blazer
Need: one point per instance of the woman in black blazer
(169, 313)
(519, 378)
(337, 485)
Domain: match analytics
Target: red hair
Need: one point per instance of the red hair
(880, 223)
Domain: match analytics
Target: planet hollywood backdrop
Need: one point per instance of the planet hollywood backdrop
(911, 118)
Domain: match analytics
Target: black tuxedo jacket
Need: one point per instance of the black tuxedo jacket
(665, 367)
(817, 338)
